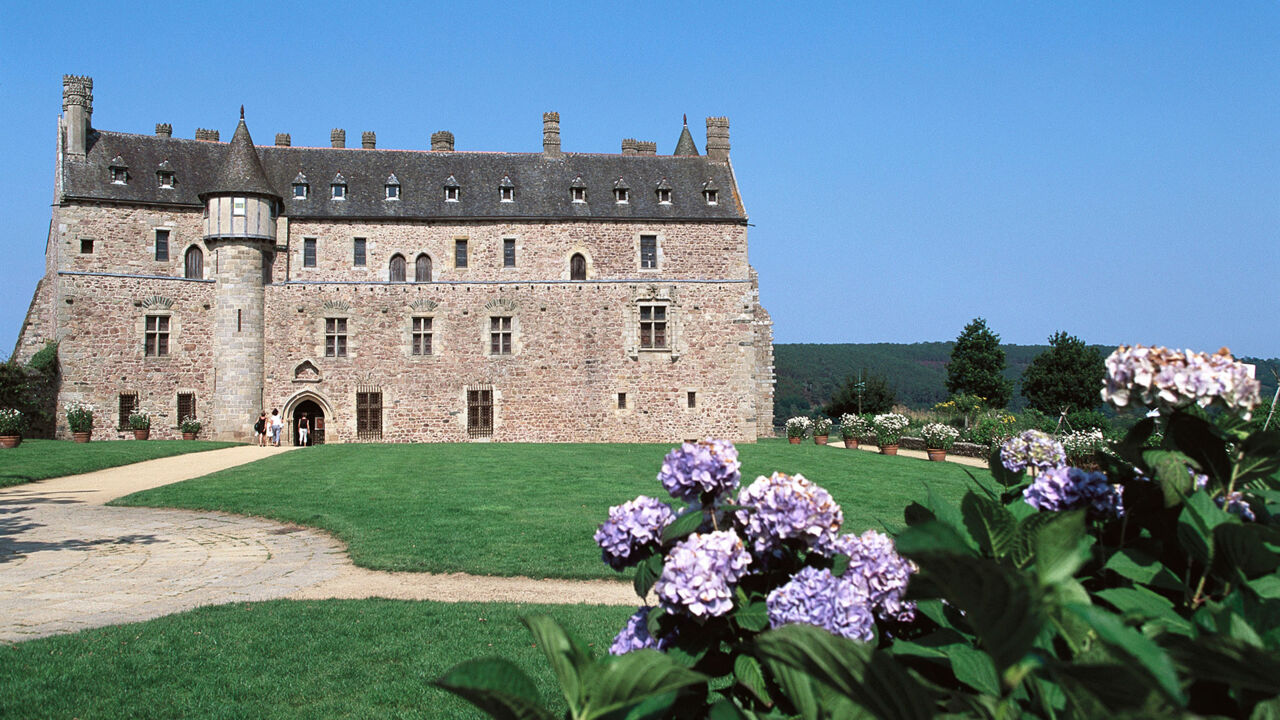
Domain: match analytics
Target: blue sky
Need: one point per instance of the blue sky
(1108, 169)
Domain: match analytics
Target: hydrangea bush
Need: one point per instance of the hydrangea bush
(1148, 587)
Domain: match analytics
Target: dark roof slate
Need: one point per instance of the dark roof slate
(542, 184)
(241, 169)
(685, 145)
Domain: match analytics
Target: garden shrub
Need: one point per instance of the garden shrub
(33, 390)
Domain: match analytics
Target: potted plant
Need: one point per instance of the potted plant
(80, 420)
(140, 423)
(821, 430)
(938, 439)
(190, 427)
(797, 428)
(888, 429)
(1082, 447)
(12, 423)
(852, 428)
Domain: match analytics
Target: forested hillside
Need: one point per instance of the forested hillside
(809, 374)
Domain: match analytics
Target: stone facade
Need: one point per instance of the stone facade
(298, 307)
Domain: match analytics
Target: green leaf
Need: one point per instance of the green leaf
(752, 615)
(1002, 474)
(1170, 471)
(653, 623)
(1024, 540)
(1246, 550)
(874, 681)
(990, 524)
(1218, 658)
(1196, 522)
(1060, 550)
(569, 659)
(746, 670)
(949, 514)
(1142, 568)
(630, 679)
(1202, 441)
(932, 536)
(798, 688)
(1266, 710)
(647, 573)
(1143, 604)
(1130, 448)
(839, 564)
(1267, 587)
(496, 686)
(724, 709)
(1104, 690)
(683, 526)
(1115, 635)
(973, 668)
(1260, 459)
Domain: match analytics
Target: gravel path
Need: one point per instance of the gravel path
(67, 562)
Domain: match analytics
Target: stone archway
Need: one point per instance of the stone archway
(319, 414)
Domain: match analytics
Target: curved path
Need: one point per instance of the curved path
(67, 562)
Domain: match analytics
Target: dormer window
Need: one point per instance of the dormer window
(118, 171)
(451, 189)
(664, 197)
(578, 190)
(506, 190)
(164, 175)
(339, 187)
(711, 192)
(301, 189)
(393, 188)
(621, 191)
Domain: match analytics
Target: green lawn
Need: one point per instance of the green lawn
(514, 509)
(283, 659)
(43, 459)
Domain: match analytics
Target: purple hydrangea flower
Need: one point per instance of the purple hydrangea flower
(816, 597)
(1162, 378)
(632, 526)
(1032, 449)
(784, 507)
(708, 467)
(697, 579)
(873, 556)
(635, 635)
(1060, 488)
(1236, 505)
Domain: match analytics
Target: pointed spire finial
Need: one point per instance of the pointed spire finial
(242, 112)
(686, 119)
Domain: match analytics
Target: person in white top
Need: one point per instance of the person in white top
(277, 424)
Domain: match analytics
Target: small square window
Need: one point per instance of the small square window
(712, 196)
(578, 194)
(620, 195)
(393, 192)
(507, 194)
(357, 252)
(165, 178)
(309, 252)
(508, 252)
(86, 246)
(238, 207)
(451, 194)
(300, 191)
(460, 253)
(693, 399)
(162, 245)
(339, 191)
(622, 401)
(120, 176)
(664, 197)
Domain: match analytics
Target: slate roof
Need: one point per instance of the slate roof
(541, 184)
(685, 145)
(241, 170)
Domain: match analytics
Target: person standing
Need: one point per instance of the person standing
(260, 429)
(304, 429)
(277, 424)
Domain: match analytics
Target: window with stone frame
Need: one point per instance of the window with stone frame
(508, 252)
(712, 196)
(506, 194)
(339, 191)
(621, 195)
(119, 175)
(421, 333)
(193, 263)
(156, 336)
(664, 196)
(369, 414)
(577, 267)
(691, 399)
(648, 252)
(308, 252)
(578, 194)
(422, 268)
(358, 246)
(86, 246)
(622, 401)
(480, 411)
(128, 406)
(335, 337)
(500, 335)
(393, 191)
(653, 327)
(396, 268)
(300, 191)
(162, 245)
(460, 253)
(186, 406)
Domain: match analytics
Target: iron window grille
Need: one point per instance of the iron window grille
(358, 252)
(508, 252)
(479, 411)
(369, 413)
(128, 404)
(186, 406)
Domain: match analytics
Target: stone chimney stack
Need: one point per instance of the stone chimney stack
(164, 130)
(442, 141)
(551, 134)
(283, 140)
(368, 140)
(629, 146)
(645, 147)
(338, 138)
(207, 135)
(718, 139)
(77, 108)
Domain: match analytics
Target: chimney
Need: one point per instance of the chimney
(718, 139)
(283, 140)
(207, 135)
(368, 140)
(164, 130)
(77, 107)
(442, 141)
(338, 138)
(629, 146)
(551, 134)
(644, 147)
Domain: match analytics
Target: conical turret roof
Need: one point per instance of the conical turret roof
(684, 146)
(241, 171)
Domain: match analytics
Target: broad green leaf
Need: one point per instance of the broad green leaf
(746, 670)
(647, 573)
(1105, 690)
(724, 709)
(1143, 604)
(1222, 659)
(839, 564)
(1130, 448)
(1000, 473)
(568, 658)
(874, 681)
(974, 668)
(1246, 550)
(653, 622)
(1266, 710)
(752, 615)
(657, 707)
(1024, 539)
(915, 514)
(1142, 568)
(1169, 468)
(1267, 586)
(1115, 635)
(798, 688)
(1260, 459)
(990, 524)
(1060, 550)
(629, 679)
(949, 514)
(932, 536)
(683, 526)
(496, 686)
(1202, 441)
(1196, 522)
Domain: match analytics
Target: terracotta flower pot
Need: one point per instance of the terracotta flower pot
(889, 449)
(10, 441)
(819, 439)
(793, 441)
(936, 455)
(142, 434)
(188, 436)
(82, 437)
(851, 443)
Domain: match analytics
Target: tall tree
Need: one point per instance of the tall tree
(977, 365)
(866, 392)
(1067, 376)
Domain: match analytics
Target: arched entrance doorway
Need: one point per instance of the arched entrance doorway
(315, 419)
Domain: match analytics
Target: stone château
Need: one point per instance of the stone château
(401, 295)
